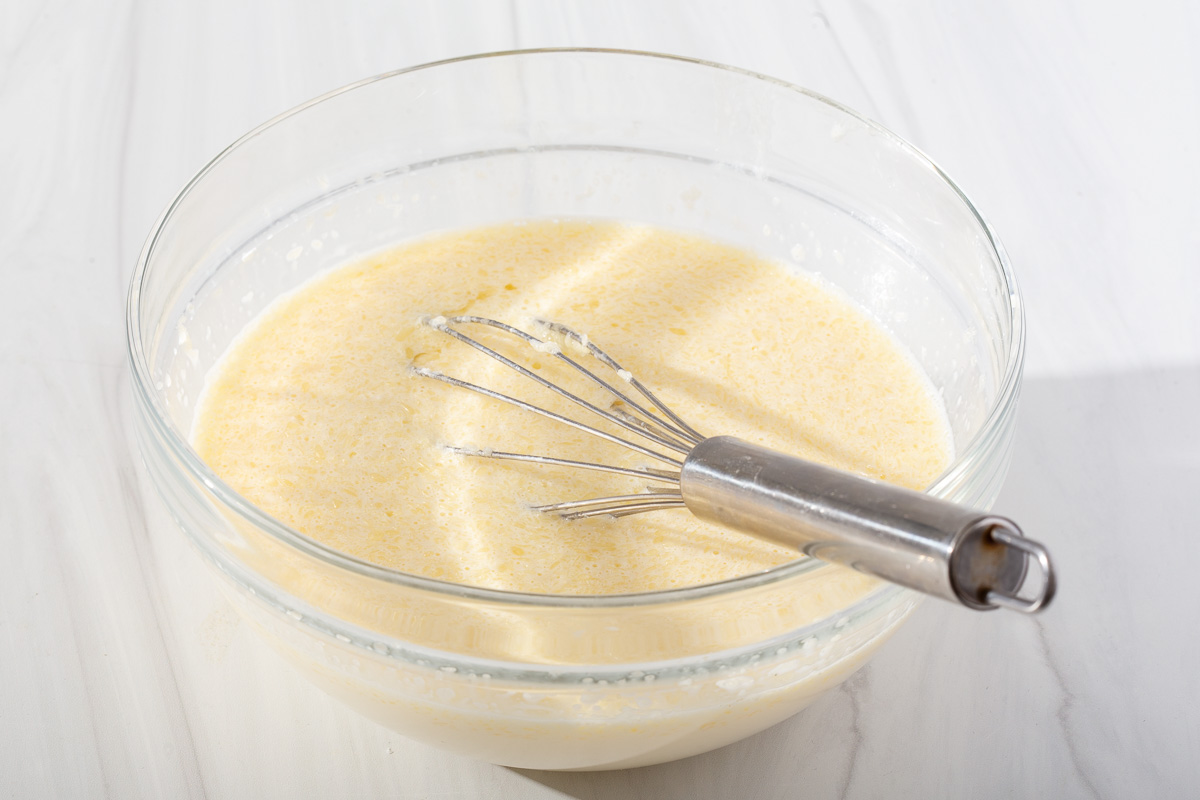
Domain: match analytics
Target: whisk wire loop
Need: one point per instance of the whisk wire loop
(550, 348)
(671, 433)
(680, 430)
(685, 430)
(425, 372)
(647, 473)
(614, 501)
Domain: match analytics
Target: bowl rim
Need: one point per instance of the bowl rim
(182, 450)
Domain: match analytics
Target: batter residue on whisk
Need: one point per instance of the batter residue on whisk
(314, 417)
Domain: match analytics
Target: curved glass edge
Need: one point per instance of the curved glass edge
(181, 449)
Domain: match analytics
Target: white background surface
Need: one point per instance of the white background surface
(1072, 125)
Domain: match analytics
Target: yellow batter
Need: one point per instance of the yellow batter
(314, 416)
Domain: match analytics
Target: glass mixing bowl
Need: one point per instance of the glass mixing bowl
(540, 681)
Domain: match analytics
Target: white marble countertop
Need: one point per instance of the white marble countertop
(1072, 124)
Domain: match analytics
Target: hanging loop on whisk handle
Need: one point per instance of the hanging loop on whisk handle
(906, 537)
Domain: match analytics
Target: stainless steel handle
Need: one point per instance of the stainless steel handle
(902, 536)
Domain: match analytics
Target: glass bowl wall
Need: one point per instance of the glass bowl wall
(544, 681)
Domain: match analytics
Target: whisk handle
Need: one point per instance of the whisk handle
(905, 537)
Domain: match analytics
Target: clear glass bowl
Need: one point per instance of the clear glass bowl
(540, 681)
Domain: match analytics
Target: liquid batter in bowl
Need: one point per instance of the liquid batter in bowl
(313, 416)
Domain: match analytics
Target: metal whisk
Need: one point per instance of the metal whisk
(906, 537)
